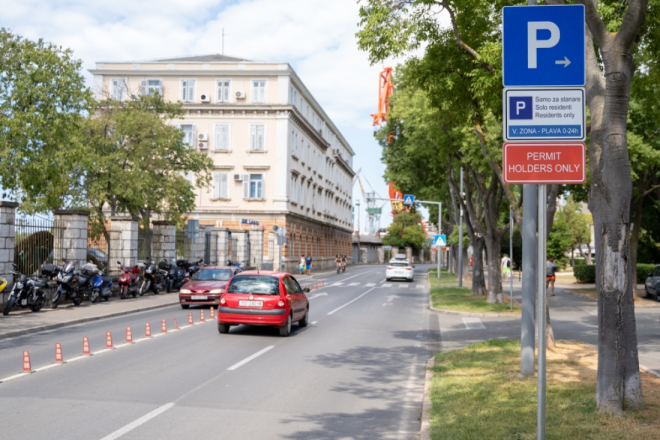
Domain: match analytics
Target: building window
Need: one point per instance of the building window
(151, 87)
(221, 137)
(188, 134)
(118, 90)
(188, 90)
(294, 139)
(220, 185)
(224, 88)
(294, 186)
(253, 187)
(258, 90)
(294, 96)
(257, 137)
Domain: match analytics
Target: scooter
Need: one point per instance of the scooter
(176, 276)
(101, 288)
(129, 281)
(153, 278)
(27, 292)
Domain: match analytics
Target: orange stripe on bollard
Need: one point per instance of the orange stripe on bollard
(86, 345)
(58, 352)
(27, 366)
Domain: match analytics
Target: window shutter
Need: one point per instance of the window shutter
(224, 185)
(184, 90)
(191, 90)
(143, 87)
(225, 137)
(216, 185)
(260, 137)
(246, 186)
(253, 136)
(218, 88)
(262, 185)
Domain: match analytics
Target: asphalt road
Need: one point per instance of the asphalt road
(356, 373)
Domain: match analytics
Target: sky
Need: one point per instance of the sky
(316, 37)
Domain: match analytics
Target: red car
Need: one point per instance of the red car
(205, 287)
(263, 298)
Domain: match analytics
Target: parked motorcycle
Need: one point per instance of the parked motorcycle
(176, 276)
(101, 287)
(73, 285)
(238, 266)
(153, 278)
(129, 281)
(26, 292)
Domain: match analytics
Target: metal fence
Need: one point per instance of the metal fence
(184, 245)
(34, 242)
(98, 250)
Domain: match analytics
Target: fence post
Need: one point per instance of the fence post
(381, 255)
(256, 247)
(123, 242)
(7, 241)
(222, 246)
(164, 240)
(70, 238)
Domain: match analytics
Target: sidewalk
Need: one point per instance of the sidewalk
(17, 323)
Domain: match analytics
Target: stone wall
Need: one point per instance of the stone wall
(164, 241)
(7, 240)
(123, 242)
(70, 240)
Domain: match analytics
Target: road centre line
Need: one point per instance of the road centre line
(350, 302)
(142, 420)
(359, 275)
(250, 358)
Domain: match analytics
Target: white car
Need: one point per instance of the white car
(399, 269)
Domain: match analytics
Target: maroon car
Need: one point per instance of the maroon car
(205, 287)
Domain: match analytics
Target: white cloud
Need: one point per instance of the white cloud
(316, 37)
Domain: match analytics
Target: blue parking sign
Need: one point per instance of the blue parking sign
(543, 45)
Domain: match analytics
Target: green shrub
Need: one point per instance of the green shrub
(579, 262)
(643, 271)
(585, 273)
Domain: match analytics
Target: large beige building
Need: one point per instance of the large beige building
(278, 157)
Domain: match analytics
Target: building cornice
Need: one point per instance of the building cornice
(188, 73)
(342, 163)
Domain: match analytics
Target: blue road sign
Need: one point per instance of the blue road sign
(439, 240)
(543, 45)
(408, 199)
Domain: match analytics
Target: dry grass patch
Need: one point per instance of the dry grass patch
(477, 394)
(593, 293)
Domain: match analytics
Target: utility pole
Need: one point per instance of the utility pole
(358, 232)
(460, 235)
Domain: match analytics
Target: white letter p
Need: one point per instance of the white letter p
(520, 105)
(533, 44)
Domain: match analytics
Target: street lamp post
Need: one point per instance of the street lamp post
(358, 231)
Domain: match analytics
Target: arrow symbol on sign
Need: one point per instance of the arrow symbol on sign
(565, 62)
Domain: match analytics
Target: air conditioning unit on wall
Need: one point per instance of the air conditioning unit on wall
(203, 137)
(238, 177)
(203, 145)
(205, 98)
(240, 95)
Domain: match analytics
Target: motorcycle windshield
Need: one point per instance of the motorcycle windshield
(69, 267)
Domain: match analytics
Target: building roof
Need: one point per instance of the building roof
(203, 58)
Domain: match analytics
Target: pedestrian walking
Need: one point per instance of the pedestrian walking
(550, 269)
(505, 266)
(301, 264)
(308, 263)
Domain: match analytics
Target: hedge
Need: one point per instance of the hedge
(587, 273)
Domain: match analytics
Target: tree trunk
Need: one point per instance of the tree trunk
(478, 279)
(634, 238)
(618, 382)
(467, 277)
(494, 270)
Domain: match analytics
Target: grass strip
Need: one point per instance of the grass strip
(460, 299)
(476, 394)
(445, 277)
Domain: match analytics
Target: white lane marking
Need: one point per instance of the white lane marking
(318, 294)
(48, 367)
(338, 284)
(249, 358)
(142, 420)
(77, 358)
(382, 282)
(314, 323)
(15, 376)
(390, 299)
(590, 310)
(402, 286)
(359, 274)
(387, 285)
(420, 286)
(350, 302)
(354, 284)
(370, 284)
(473, 323)
(102, 351)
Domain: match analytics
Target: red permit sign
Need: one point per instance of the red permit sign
(553, 162)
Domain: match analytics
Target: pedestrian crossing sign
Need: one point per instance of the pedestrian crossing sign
(439, 240)
(408, 199)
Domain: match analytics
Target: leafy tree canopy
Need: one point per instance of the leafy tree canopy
(406, 231)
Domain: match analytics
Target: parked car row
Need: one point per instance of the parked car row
(91, 283)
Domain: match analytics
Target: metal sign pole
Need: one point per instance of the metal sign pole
(439, 233)
(511, 256)
(460, 236)
(540, 313)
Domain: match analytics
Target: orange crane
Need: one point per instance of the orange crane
(385, 91)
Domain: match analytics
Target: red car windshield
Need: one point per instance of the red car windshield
(259, 285)
(212, 275)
